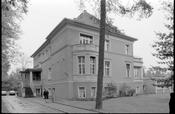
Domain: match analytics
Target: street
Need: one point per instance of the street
(4, 108)
(16, 104)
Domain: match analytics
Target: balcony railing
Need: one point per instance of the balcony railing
(137, 59)
(88, 47)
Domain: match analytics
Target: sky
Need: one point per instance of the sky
(45, 15)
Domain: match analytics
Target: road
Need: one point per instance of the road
(16, 104)
(4, 108)
(12, 104)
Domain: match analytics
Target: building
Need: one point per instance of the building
(31, 84)
(69, 59)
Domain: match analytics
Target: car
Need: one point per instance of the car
(12, 92)
(3, 93)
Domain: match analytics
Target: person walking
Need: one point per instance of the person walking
(53, 95)
(45, 95)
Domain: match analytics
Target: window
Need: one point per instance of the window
(128, 70)
(37, 91)
(36, 76)
(93, 92)
(127, 49)
(49, 73)
(81, 64)
(92, 65)
(136, 72)
(137, 90)
(107, 68)
(86, 39)
(106, 45)
(81, 92)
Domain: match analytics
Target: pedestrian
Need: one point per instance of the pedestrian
(53, 95)
(45, 95)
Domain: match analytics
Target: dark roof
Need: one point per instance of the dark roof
(76, 23)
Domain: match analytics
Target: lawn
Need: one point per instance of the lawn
(142, 104)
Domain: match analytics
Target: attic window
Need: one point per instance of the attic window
(86, 39)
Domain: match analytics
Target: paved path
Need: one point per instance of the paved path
(4, 107)
(32, 105)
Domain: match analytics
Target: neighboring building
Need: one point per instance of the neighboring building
(31, 84)
(69, 59)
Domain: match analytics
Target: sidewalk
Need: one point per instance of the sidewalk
(63, 105)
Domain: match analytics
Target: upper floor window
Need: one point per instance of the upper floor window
(36, 76)
(126, 49)
(86, 39)
(107, 68)
(49, 73)
(136, 72)
(81, 64)
(107, 45)
(128, 70)
(92, 65)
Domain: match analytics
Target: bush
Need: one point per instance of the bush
(126, 90)
(28, 92)
(110, 91)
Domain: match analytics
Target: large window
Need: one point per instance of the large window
(36, 76)
(81, 64)
(81, 92)
(107, 68)
(86, 39)
(126, 49)
(128, 70)
(93, 92)
(107, 45)
(92, 65)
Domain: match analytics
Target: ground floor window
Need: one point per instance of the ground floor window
(38, 91)
(93, 92)
(81, 92)
(137, 89)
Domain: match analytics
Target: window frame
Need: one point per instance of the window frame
(107, 45)
(93, 91)
(81, 65)
(49, 73)
(107, 69)
(92, 65)
(79, 96)
(128, 73)
(127, 49)
(85, 39)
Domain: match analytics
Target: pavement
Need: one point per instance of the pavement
(137, 104)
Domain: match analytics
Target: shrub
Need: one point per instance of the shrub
(126, 90)
(110, 91)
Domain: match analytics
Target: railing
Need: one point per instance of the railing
(137, 59)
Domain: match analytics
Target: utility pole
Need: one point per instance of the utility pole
(99, 99)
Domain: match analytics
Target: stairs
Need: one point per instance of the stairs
(28, 92)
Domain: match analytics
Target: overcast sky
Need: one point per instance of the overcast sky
(45, 15)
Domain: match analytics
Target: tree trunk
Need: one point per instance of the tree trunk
(101, 56)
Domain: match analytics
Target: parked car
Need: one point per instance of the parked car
(3, 93)
(12, 92)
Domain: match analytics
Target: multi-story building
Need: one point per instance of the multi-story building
(69, 59)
